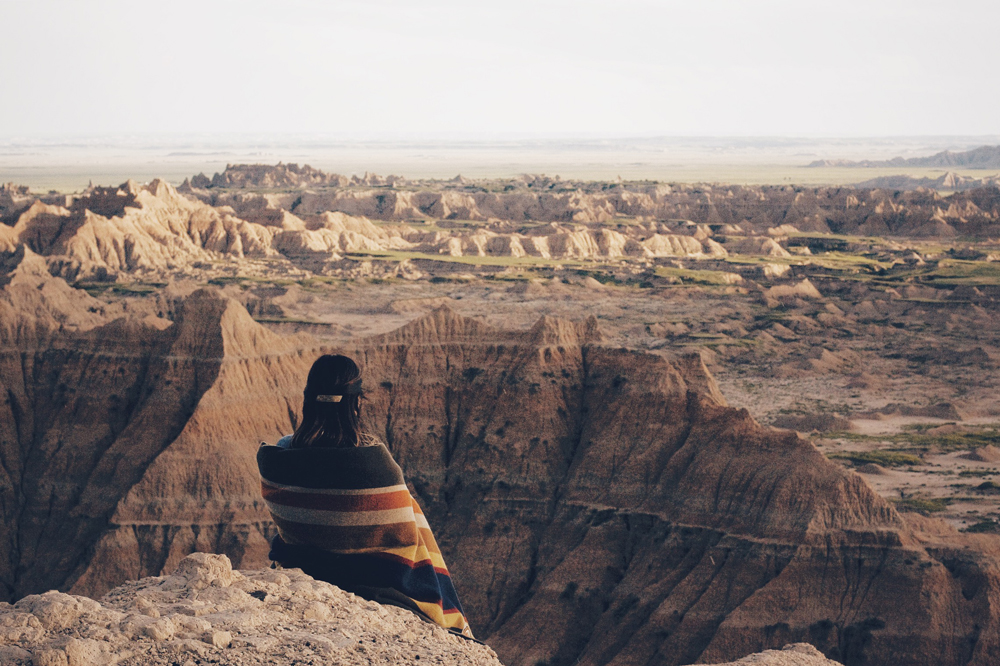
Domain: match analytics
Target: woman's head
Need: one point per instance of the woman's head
(331, 409)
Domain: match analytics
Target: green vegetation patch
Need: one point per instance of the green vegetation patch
(845, 261)
(399, 255)
(607, 278)
(126, 288)
(884, 458)
(919, 441)
(844, 238)
(923, 427)
(601, 276)
(983, 527)
(967, 473)
(958, 272)
(754, 259)
(137, 288)
(955, 272)
(224, 280)
(318, 282)
(290, 320)
(923, 505)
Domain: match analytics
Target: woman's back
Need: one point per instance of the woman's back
(342, 507)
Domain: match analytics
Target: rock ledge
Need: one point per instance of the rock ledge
(205, 613)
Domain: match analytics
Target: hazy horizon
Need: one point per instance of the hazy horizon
(70, 164)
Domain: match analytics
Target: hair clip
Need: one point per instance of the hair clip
(329, 398)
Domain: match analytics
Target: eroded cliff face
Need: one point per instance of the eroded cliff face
(596, 505)
(605, 506)
(93, 410)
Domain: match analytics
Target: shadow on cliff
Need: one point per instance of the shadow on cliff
(86, 417)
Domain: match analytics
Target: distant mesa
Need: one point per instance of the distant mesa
(984, 157)
(240, 176)
(949, 181)
(283, 176)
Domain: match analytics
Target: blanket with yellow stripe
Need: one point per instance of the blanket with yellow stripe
(345, 516)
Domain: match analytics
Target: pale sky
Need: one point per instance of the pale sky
(402, 68)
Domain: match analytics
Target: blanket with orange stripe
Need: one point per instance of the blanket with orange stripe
(345, 516)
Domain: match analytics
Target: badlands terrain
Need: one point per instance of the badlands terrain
(580, 379)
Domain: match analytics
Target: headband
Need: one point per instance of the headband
(351, 388)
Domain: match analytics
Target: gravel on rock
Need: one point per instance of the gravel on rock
(796, 654)
(207, 613)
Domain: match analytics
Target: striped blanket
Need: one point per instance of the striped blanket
(346, 517)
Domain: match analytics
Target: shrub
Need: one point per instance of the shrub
(983, 527)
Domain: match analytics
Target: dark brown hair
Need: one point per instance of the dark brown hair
(326, 423)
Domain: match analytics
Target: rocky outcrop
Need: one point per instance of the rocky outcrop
(205, 612)
(145, 232)
(239, 176)
(796, 654)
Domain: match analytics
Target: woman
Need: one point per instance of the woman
(342, 509)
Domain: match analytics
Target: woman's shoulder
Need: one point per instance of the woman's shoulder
(364, 439)
(368, 439)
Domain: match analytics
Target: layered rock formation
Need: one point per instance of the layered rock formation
(597, 505)
(146, 231)
(94, 410)
(154, 233)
